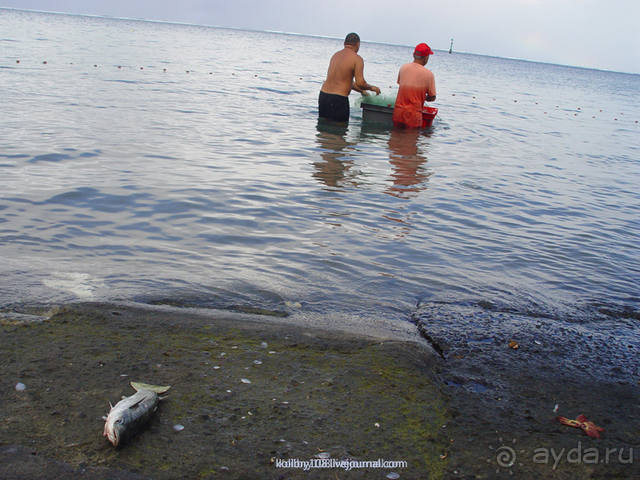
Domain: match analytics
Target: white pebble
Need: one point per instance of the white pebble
(216, 367)
(178, 427)
(20, 387)
(323, 455)
(245, 380)
(393, 476)
(264, 344)
(257, 362)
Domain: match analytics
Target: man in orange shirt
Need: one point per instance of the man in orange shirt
(417, 84)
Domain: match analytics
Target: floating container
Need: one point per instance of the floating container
(428, 115)
(381, 115)
(378, 114)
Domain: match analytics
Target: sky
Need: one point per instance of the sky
(602, 34)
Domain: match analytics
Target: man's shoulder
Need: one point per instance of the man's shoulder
(348, 55)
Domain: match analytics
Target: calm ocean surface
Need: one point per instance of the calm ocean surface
(211, 183)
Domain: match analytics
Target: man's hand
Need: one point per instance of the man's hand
(374, 89)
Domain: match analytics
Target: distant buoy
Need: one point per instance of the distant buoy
(44, 63)
(141, 68)
(17, 61)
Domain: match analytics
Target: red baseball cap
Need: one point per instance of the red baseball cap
(422, 50)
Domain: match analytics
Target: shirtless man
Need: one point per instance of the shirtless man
(345, 65)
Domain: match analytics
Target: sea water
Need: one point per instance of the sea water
(183, 164)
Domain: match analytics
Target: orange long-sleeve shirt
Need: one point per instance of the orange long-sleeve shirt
(416, 83)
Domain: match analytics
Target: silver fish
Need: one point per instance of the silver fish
(130, 414)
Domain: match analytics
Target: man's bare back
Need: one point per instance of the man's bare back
(345, 67)
(345, 74)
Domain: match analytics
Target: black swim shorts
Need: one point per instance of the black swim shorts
(333, 107)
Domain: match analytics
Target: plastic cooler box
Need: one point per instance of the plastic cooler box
(382, 114)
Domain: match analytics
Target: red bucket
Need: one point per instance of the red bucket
(428, 114)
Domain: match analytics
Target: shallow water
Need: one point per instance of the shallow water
(213, 184)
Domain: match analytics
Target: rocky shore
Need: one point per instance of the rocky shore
(255, 397)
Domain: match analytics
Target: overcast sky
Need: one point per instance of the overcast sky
(600, 34)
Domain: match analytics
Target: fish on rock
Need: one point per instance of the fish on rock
(129, 415)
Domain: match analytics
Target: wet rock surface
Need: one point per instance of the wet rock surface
(510, 374)
(249, 392)
(246, 394)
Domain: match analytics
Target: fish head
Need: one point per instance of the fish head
(114, 429)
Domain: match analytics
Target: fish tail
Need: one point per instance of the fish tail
(154, 388)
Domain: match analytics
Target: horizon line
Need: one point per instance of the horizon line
(310, 35)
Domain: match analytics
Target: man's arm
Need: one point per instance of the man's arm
(359, 90)
(431, 91)
(360, 83)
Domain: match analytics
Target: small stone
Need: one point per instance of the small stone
(245, 380)
(20, 387)
(257, 362)
(178, 428)
(393, 476)
(264, 344)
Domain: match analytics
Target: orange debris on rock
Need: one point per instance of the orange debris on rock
(584, 423)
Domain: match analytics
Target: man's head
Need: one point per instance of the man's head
(421, 53)
(353, 40)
